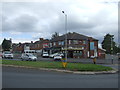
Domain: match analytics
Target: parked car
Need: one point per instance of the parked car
(61, 54)
(45, 54)
(52, 55)
(57, 57)
(92, 57)
(7, 54)
(29, 57)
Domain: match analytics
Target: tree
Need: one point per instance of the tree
(55, 35)
(108, 44)
(6, 45)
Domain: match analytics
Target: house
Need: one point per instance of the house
(101, 53)
(78, 45)
(20, 47)
(39, 45)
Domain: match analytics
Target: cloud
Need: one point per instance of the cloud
(43, 18)
(23, 23)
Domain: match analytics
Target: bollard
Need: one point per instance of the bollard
(94, 60)
(64, 63)
(112, 60)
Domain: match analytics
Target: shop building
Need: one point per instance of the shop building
(78, 45)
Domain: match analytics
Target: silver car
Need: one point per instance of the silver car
(28, 57)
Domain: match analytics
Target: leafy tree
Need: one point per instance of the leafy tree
(55, 35)
(6, 45)
(109, 45)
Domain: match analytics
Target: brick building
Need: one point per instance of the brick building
(101, 53)
(78, 45)
(37, 45)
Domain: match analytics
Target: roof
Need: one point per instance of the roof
(71, 36)
(43, 41)
(102, 49)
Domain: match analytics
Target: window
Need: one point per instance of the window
(62, 43)
(59, 43)
(75, 41)
(50, 44)
(69, 41)
(38, 45)
(54, 43)
(91, 45)
(84, 42)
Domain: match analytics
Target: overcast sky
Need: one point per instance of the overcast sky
(28, 21)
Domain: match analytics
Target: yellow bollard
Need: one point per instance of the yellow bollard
(64, 62)
(94, 60)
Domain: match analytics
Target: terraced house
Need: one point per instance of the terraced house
(78, 45)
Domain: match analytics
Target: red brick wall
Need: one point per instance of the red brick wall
(101, 54)
(95, 45)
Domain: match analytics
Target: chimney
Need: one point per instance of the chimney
(10, 39)
(41, 39)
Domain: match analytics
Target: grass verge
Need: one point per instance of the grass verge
(58, 65)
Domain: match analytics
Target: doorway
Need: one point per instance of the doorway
(70, 54)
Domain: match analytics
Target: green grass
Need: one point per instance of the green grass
(58, 65)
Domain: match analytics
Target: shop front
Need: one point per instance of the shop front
(74, 52)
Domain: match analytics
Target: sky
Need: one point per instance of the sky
(28, 20)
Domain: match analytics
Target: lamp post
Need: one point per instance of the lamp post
(65, 35)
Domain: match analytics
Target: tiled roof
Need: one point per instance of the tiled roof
(71, 36)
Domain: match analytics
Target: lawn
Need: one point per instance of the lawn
(58, 65)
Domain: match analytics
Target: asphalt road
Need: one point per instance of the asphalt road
(74, 60)
(32, 78)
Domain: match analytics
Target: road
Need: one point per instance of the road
(77, 60)
(33, 78)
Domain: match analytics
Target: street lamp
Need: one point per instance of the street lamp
(66, 34)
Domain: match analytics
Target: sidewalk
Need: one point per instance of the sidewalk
(98, 61)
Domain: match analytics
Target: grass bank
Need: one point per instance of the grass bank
(58, 65)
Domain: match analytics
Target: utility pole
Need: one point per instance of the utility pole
(65, 36)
